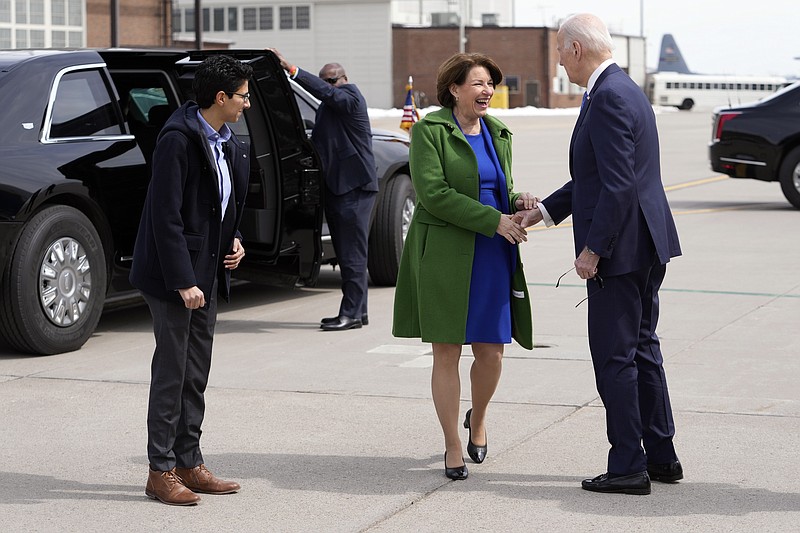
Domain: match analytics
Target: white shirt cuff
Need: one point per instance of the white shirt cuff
(548, 220)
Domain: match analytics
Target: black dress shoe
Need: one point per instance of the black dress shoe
(334, 319)
(638, 483)
(459, 472)
(666, 473)
(342, 323)
(476, 453)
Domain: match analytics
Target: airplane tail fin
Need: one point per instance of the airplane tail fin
(670, 59)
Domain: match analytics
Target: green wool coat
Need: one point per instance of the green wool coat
(432, 295)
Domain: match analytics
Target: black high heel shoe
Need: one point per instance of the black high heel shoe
(459, 472)
(476, 453)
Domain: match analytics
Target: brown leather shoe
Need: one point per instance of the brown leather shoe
(167, 487)
(200, 479)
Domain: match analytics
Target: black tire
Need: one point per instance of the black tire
(53, 288)
(686, 105)
(790, 177)
(389, 230)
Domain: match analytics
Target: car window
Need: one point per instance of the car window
(309, 113)
(141, 101)
(83, 107)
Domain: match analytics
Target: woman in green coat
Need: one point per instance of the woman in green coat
(461, 279)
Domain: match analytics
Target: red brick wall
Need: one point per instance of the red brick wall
(142, 23)
(418, 52)
(528, 53)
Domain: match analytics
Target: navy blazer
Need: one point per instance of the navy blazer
(182, 239)
(342, 135)
(616, 197)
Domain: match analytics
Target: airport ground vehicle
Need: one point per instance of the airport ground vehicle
(761, 141)
(686, 91)
(76, 140)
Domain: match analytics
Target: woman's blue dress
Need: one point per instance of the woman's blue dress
(489, 315)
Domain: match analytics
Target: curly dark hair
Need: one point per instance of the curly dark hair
(218, 73)
(455, 70)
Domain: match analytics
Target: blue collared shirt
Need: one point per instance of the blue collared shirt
(216, 139)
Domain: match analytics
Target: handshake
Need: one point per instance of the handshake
(528, 213)
(512, 227)
(527, 217)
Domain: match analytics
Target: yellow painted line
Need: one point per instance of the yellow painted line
(695, 183)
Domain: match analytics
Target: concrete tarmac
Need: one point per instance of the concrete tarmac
(336, 431)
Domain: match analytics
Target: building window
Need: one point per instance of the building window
(219, 19)
(22, 15)
(265, 21)
(249, 19)
(58, 39)
(37, 39)
(233, 19)
(5, 16)
(75, 39)
(287, 17)
(206, 19)
(58, 13)
(37, 12)
(177, 21)
(189, 17)
(303, 17)
(75, 13)
(512, 82)
(22, 38)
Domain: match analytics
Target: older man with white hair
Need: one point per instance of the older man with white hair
(624, 236)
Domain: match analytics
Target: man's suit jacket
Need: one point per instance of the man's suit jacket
(616, 197)
(182, 239)
(342, 135)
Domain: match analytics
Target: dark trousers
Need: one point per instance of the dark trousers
(629, 370)
(179, 375)
(348, 221)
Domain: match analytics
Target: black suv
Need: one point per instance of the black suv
(77, 135)
(761, 141)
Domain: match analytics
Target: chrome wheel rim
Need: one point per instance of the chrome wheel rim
(65, 282)
(796, 177)
(408, 213)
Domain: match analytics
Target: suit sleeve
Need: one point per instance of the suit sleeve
(345, 99)
(612, 136)
(435, 193)
(559, 203)
(166, 189)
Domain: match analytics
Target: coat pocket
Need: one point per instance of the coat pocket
(424, 217)
(194, 243)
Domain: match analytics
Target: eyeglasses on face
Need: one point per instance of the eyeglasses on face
(245, 96)
(333, 81)
(596, 278)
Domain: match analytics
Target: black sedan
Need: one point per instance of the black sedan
(761, 141)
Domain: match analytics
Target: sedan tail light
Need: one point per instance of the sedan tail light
(722, 118)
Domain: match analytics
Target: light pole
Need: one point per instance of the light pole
(641, 18)
(462, 36)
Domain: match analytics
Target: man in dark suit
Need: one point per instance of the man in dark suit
(343, 139)
(188, 242)
(624, 236)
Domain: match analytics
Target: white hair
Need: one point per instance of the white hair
(588, 30)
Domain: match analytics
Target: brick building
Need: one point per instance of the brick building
(526, 55)
(142, 23)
